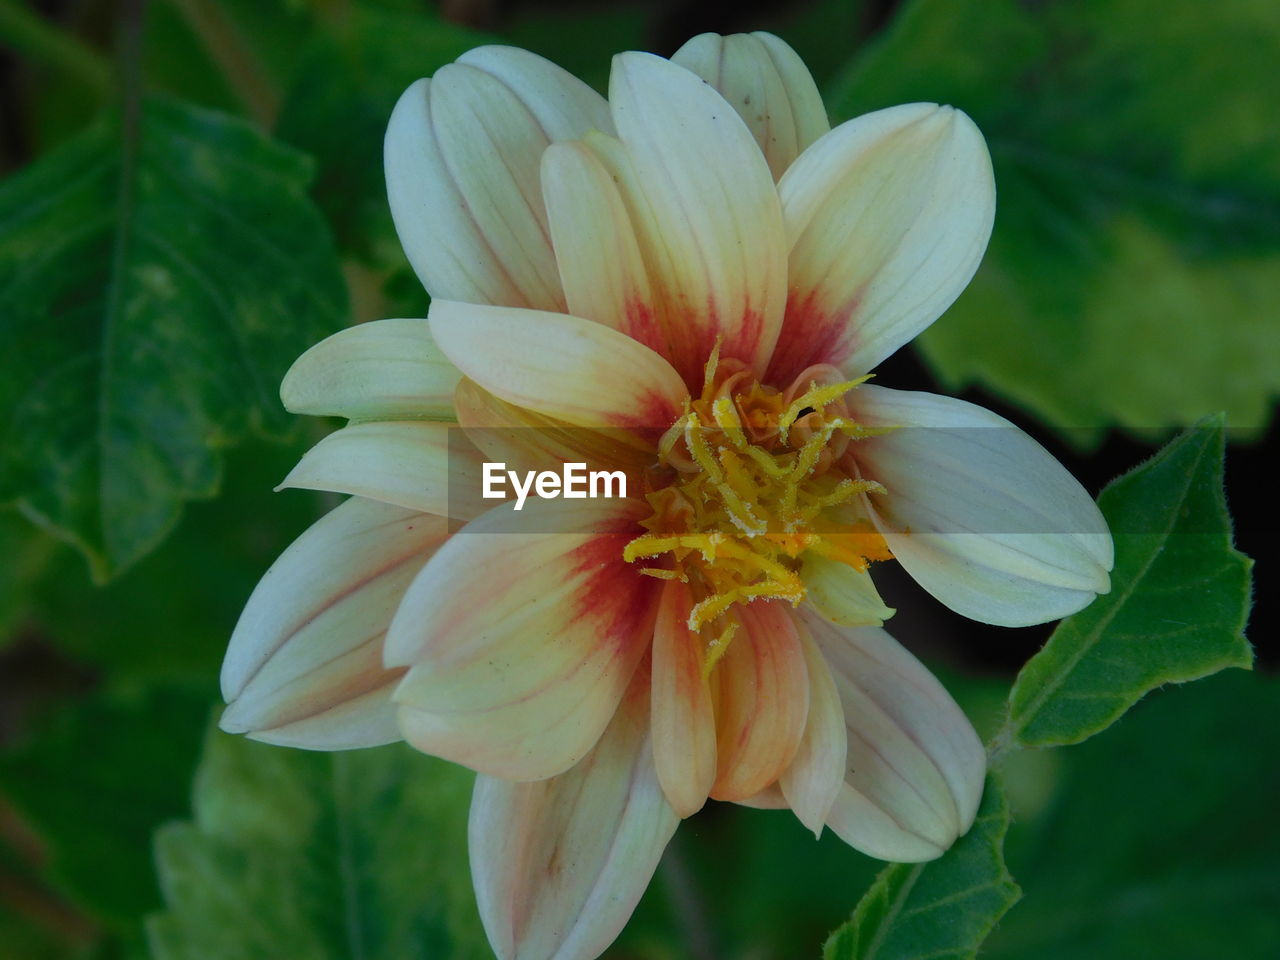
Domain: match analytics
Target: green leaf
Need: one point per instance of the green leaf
(1136, 255)
(937, 910)
(167, 619)
(357, 854)
(95, 781)
(1161, 839)
(1179, 600)
(163, 274)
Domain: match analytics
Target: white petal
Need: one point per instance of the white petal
(521, 642)
(603, 273)
(525, 440)
(462, 157)
(814, 780)
(383, 370)
(559, 865)
(888, 216)
(770, 798)
(564, 106)
(981, 515)
(711, 228)
(429, 467)
(768, 84)
(565, 367)
(367, 720)
(916, 767)
(304, 666)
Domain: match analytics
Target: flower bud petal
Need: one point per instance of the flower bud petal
(768, 84)
(842, 594)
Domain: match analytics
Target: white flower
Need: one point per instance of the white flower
(689, 283)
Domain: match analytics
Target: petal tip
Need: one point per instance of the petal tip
(233, 720)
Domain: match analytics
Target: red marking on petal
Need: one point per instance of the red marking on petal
(642, 325)
(650, 415)
(614, 593)
(744, 341)
(811, 334)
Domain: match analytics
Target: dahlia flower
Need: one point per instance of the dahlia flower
(690, 282)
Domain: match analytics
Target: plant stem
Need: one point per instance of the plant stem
(238, 61)
(30, 35)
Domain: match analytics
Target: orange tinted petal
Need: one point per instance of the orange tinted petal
(762, 701)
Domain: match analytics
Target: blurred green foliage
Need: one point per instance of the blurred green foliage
(159, 278)
(97, 781)
(1161, 838)
(354, 854)
(1135, 264)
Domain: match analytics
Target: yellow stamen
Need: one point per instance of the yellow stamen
(738, 501)
(815, 398)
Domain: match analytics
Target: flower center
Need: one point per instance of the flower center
(748, 480)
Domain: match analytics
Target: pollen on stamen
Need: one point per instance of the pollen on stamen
(745, 484)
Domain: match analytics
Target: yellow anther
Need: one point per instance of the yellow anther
(736, 499)
(700, 450)
(727, 419)
(709, 372)
(741, 513)
(717, 647)
(649, 546)
(773, 467)
(815, 397)
(663, 574)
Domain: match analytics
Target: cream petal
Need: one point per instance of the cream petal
(559, 865)
(367, 720)
(304, 666)
(887, 216)
(842, 594)
(981, 515)
(565, 367)
(521, 641)
(915, 765)
(768, 84)
(429, 467)
(603, 274)
(383, 370)
(462, 159)
(815, 777)
(706, 209)
(564, 106)
(684, 722)
(770, 798)
(762, 701)
(524, 440)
